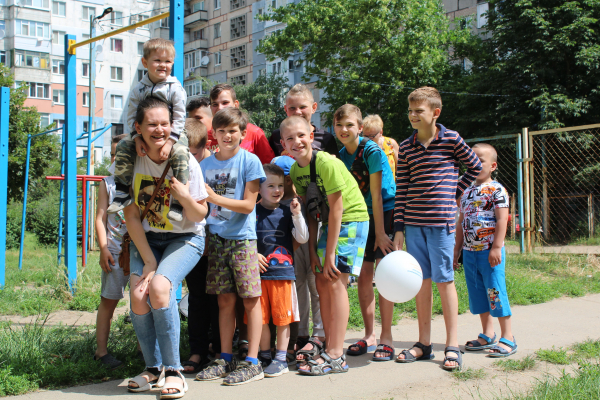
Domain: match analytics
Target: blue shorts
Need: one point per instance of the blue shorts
(486, 285)
(350, 248)
(433, 247)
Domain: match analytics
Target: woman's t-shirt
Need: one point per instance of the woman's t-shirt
(228, 179)
(332, 177)
(146, 175)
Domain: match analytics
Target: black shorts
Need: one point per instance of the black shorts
(388, 221)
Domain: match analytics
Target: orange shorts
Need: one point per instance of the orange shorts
(279, 301)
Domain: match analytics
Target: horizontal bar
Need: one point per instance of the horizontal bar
(117, 31)
(525, 159)
(101, 133)
(50, 131)
(480, 139)
(573, 128)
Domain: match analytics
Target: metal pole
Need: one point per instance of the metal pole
(83, 222)
(91, 127)
(513, 215)
(545, 205)
(527, 193)
(24, 214)
(591, 214)
(533, 220)
(520, 192)
(4, 119)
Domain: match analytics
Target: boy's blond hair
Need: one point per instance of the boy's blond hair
(196, 133)
(300, 89)
(230, 116)
(348, 110)
(373, 122)
(158, 44)
(487, 147)
(428, 94)
(293, 120)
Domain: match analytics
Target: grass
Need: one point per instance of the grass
(512, 365)
(554, 356)
(468, 374)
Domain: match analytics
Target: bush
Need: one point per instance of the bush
(13, 225)
(43, 220)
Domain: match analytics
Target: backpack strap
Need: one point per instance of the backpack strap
(313, 166)
(359, 169)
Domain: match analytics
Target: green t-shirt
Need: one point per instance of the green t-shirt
(332, 176)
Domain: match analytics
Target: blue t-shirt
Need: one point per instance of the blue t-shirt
(376, 161)
(274, 231)
(228, 179)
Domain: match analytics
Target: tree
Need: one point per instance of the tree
(367, 52)
(542, 58)
(24, 121)
(264, 100)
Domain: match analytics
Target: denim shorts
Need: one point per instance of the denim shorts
(433, 247)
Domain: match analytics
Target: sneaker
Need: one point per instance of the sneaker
(276, 368)
(121, 200)
(264, 362)
(245, 373)
(109, 361)
(175, 212)
(217, 369)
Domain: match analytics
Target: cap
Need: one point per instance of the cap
(284, 162)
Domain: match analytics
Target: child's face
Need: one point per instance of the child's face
(159, 65)
(223, 100)
(421, 115)
(347, 129)
(272, 190)
(372, 134)
(197, 152)
(488, 165)
(229, 137)
(301, 106)
(155, 128)
(204, 115)
(297, 140)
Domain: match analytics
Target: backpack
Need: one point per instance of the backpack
(315, 204)
(359, 169)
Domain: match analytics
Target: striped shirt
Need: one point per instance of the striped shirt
(427, 184)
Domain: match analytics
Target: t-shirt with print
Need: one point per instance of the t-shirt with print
(478, 204)
(332, 177)
(274, 233)
(375, 160)
(255, 142)
(115, 222)
(228, 178)
(146, 175)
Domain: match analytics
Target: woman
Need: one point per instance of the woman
(162, 252)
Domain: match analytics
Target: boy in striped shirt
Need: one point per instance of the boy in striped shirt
(427, 189)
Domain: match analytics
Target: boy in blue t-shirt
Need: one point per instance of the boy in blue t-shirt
(232, 181)
(280, 229)
(369, 166)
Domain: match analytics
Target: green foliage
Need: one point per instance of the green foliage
(512, 365)
(102, 168)
(12, 385)
(393, 43)
(13, 224)
(264, 100)
(469, 373)
(588, 349)
(554, 356)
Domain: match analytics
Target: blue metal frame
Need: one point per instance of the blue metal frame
(4, 119)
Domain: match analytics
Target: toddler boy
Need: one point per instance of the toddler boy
(480, 236)
(158, 59)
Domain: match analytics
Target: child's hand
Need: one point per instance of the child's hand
(106, 260)
(495, 256)
(455, 264)
(295, 206)
(399, 240)
(384, 243)
(315, 263)
(329, 269)
(262, 261)
(166, 150)
(179, 190)
(211, 193)
(141, 148)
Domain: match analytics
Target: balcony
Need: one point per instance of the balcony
(195, 19)
(198, 44)
(190, 73)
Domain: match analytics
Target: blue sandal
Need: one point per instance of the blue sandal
(473, 345)
(500, 352)
(458, 359)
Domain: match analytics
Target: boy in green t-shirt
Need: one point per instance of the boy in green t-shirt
(340, 249)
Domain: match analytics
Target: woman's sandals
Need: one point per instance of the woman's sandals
(144, 383)
(329, 366)
(409, 357)
(180, 387)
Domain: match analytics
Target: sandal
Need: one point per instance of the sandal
(242, 351)
(181, 388)
(144, 384)
(317, 348)
(499, 352)
(363, 348)
(329, 366)
(459, 361)
(409, 357)
(473, 345)
(109, 361)
(197, 366)
(291, 358)
(385, 349)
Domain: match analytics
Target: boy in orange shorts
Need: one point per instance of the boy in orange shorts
(280, 228)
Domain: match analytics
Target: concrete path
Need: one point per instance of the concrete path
(558, 323)
(558, 249)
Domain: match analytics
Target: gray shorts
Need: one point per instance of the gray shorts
(114, 282)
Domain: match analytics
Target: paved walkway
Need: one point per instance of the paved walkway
(558, 323)
(559, 249)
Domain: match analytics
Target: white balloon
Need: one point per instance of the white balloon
(398, 277)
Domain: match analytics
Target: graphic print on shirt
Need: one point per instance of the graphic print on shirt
(157, 212)
(223, 182)
(117, 225)
(478, 205)
(280, 256)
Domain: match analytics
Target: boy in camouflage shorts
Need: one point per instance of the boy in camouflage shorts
(158, 59)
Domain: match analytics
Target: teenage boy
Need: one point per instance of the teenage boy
(232, 181)
(255, 141)
(158, 60)
(480, 236)
(369, 166)
(200, 109)
(340, 249)
(300, 101)
(427, 169)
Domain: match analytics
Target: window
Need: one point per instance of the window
(59, 8)
(88, 13)
(199, 34)
(238, 56)
(260, 11)
(273, 4)
(116, 102)
(164, 23)
(218, 58)
(117, 129)
(58, 96)
(140, 74)
(44, 120)
(3, 25)
(86, 125)
(3, 57)
(58, 67)
(139, 18)
(39, 90)
(37, 3)
(32, 59)
(276, 68)
(85, 70)
(116, 45)
(116, 73)
(58, 38)
(86, 101)
(59, 123)
(193, 89)
(192, 60)
(218, 30)
(33, 29)
(235, 4)
(141, 49)
(482, 8)
(116, 18)
(238, 27)
(198, 6)
(238, 80)
(217, 4)
(85, 36)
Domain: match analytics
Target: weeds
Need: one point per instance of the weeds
(469, 373)
(511, 365)
(583, 384)
(554, 356)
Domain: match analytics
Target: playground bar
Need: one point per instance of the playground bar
(4, 118)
